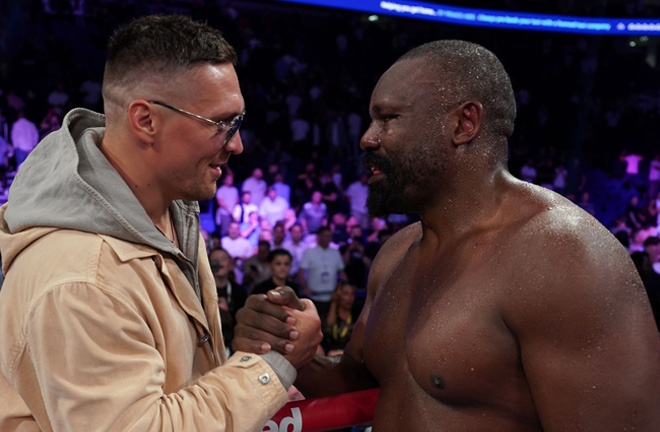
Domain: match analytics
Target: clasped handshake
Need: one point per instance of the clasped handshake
(279, 321)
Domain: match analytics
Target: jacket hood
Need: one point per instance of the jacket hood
(67, 183)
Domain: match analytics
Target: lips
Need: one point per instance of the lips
(377, 165)
(217, 168)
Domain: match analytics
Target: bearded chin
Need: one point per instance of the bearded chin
(385, 198)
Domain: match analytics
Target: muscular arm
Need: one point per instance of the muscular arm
(589, 349)
(264, 321)
(326, 376)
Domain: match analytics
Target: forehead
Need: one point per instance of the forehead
(281, 259)
(405, 84)
(211, 87)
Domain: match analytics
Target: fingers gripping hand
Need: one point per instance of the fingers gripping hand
(263, 324)
(308, 325)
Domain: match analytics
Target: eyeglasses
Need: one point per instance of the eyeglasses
(230, 126)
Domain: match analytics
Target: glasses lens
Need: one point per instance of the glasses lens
(233, 127)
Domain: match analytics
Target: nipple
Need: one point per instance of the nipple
(437, 381)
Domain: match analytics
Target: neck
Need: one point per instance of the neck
(464, 208)
(141, 181)
(166, 227)
(279, 281)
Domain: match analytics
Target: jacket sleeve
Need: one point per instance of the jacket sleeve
(89, 361)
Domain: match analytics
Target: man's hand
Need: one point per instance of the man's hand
(281, 321)
(308, 325)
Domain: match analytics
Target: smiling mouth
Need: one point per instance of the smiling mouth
(375, 171)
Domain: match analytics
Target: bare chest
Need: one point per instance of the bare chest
(436, 332)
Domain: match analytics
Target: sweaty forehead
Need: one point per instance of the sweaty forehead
(406, 83)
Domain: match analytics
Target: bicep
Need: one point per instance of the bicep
(588, 348)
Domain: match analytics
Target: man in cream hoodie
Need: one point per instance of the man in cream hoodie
(108, 314)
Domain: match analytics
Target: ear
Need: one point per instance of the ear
(143, 119)
(470, 119)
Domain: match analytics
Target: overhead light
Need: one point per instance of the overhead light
(373, 18)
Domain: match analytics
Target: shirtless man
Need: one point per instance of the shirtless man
(507, 307)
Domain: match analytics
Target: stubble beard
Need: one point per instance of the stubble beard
(200, 192)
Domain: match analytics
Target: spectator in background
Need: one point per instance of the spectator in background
(290, 219)
(654, 177)
(586, 204)
(256, 268)
(231, 296)
(622, 231)
(652, 248)
(278, 235)
(279, 263)
(296, 247)
(338, 325)
(338, 228)
(320, 268)
(330, 194)
(256, 185)
(251, 229)
(306, 183)
(314, 214)
(356, 260)
(24, 137)
(226, 199)
(374, 246)
(283, 189)
(273, 207)
(632, 161)
(376, 225)
(238, 247)
(50, 123)
(637, 214)
(356, 193)
(243, 209)
(651, 281)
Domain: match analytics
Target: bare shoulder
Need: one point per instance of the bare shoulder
(393, 251)
(562, 235)
(560, 257)
(574, 301)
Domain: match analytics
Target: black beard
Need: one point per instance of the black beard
(387, 195)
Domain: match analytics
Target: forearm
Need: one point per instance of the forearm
(137, 389)
(327, 376)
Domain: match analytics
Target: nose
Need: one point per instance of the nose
(370, 139)
(235, 144)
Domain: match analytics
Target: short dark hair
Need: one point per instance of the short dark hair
(278, 252)
(163, 44)
(651, 241)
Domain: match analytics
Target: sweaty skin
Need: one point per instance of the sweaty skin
(506, 308)
(493, 345)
